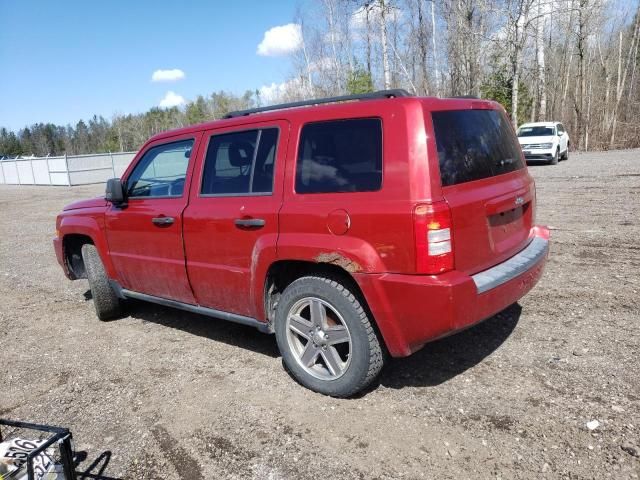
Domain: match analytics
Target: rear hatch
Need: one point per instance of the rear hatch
(486, 184)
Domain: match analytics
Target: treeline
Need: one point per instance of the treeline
(123, 133)
(574, 61)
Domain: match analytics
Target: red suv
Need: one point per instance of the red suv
(351, 227)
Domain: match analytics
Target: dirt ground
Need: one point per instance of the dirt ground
(167, 394)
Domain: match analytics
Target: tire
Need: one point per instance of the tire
(105, 300)
(343, 353)
(566, 154)
(554, 160)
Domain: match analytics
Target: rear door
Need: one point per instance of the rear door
(486, 184)
(145, 236)
(232, 218)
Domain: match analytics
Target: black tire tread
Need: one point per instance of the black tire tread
(377, 357)
(105, 300)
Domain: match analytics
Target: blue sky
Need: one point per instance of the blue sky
(64, 60)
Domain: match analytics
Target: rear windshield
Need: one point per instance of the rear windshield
(474, 144)
(535, 131)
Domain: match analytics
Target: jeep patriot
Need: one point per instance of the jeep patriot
(352, 227)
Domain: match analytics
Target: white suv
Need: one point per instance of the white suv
(544, 141)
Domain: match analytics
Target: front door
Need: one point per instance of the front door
(145, 236)
(232, 217)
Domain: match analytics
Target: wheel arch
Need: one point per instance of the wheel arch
(72, 244)
(282, 273)
(76, 231)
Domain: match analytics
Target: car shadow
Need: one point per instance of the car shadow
(215, 329)
(444, 359)
(436, 363)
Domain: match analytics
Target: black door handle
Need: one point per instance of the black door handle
(249, 222)
(162, 220)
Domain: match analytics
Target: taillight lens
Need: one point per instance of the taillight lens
(434, 241)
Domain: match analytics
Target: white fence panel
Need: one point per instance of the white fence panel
(59, 178)
(25, 174)
(89, 162)
(121, 161)
(87, 177)
(58, 170)
(68, 170)
(40, 171)
(10, 173)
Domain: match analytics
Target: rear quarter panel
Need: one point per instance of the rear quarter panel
(380, 233)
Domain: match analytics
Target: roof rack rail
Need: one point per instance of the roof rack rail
(344, 98)
(467, 96)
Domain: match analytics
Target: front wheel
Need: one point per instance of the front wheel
(554, 160)
(105, 300)
(326, 338)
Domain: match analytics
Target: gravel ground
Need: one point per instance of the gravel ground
(166, 394)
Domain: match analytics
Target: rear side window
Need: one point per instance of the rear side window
(474, 144)
(340, 156)
(240, 163)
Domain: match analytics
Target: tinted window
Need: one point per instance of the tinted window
(240, 162)
(340, 156)
(474, 144)
(560, 128)
(161, 171)
(535, 131)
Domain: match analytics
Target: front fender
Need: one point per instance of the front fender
(90, 224)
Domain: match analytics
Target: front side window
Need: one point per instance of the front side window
(161, 171)
(340, 156)
(240, 163)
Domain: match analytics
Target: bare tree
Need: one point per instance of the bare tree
(382, 18)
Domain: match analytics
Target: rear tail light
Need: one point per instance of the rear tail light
(434, 242)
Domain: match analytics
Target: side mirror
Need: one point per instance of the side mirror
(114, 192)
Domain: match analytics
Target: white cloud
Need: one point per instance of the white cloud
(171, 99)
(280, 92)
(172, 75)
(281, 40)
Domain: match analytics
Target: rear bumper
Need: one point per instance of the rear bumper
(411, 310)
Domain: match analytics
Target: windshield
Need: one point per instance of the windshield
(535, 131)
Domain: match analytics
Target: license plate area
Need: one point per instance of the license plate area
(509, 228)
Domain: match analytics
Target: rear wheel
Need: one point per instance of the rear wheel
(325, 337)
(105, 300)
(554, 160)
(566, 153)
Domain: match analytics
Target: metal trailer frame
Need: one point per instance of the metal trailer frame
(59, 435)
